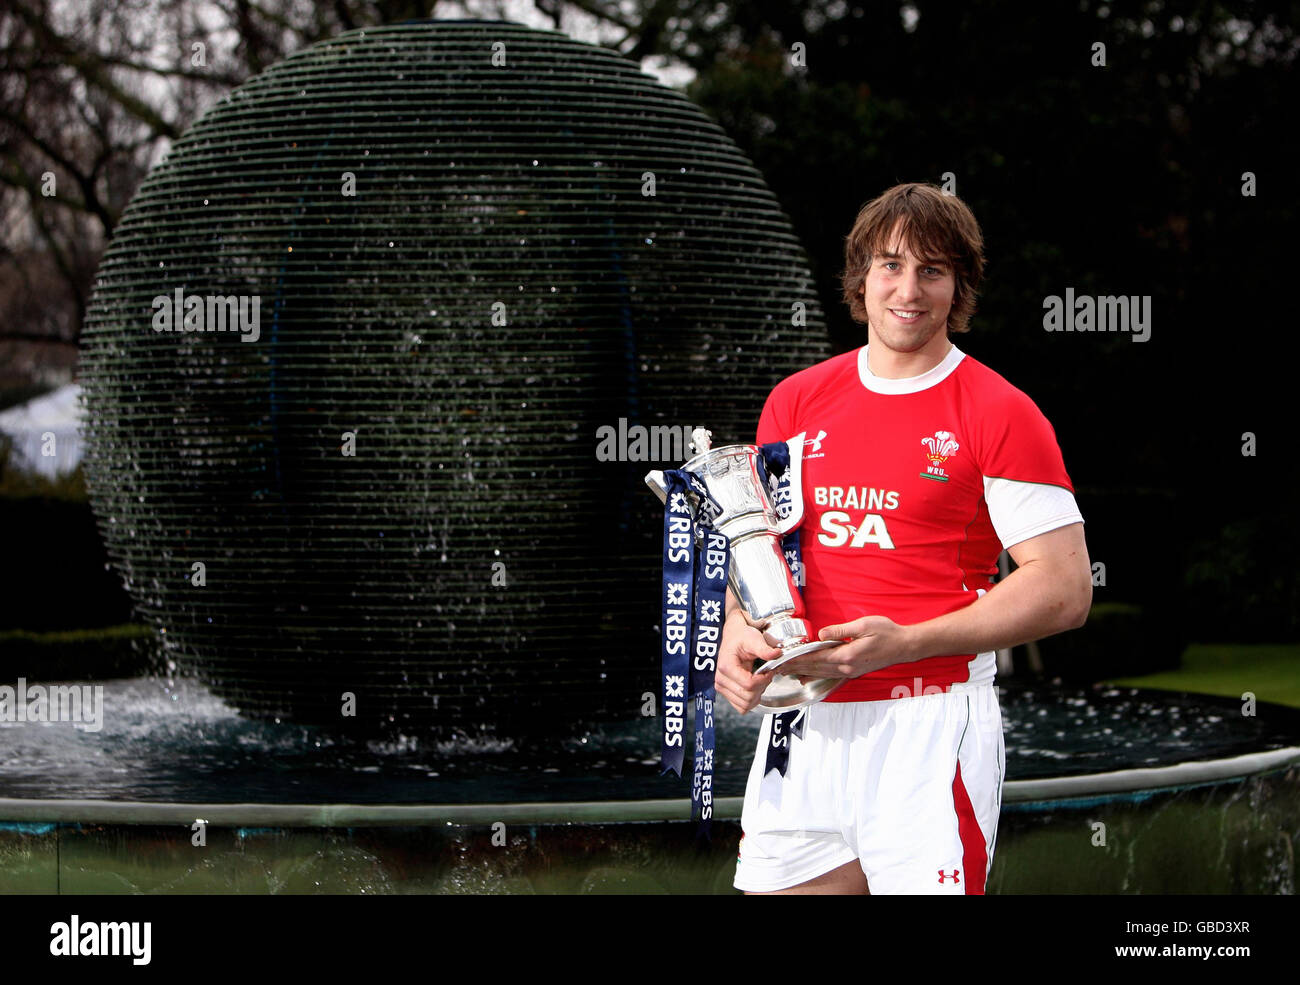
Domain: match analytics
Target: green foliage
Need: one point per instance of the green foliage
(20, 483)
(1243, 581)
(1267, 671)
(1117, 638)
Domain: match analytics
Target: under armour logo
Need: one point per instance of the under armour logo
(815, 444)
(956, 877)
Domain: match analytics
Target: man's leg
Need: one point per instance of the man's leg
(793, 835)
(932, 796)
(847, 880)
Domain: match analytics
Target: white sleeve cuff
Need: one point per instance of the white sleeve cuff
(1020, 510)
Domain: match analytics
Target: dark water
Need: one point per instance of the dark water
(174, 741)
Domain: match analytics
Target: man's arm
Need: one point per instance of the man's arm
(1050, 592)
(733, 604)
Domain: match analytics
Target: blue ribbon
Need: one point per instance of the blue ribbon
(702, 780)
(773, 470)
(675, 622)
(711, 610)
(694, 608)
(786, 727)
(711, 594)
(774, 458)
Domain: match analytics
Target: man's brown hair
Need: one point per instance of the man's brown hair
(936, 225)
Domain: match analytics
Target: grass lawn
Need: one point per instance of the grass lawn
(1270, 671)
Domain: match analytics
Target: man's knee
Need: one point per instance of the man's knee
(846, 880)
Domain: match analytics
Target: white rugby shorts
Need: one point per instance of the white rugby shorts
(909, 787)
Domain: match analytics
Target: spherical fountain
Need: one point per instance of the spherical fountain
(460, 252)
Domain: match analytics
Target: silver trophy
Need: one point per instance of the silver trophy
(758, 577)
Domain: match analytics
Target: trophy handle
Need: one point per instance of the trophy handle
(655, 480)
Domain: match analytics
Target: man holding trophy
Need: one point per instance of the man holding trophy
(879, 768)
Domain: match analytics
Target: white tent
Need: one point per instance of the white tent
(46, 431)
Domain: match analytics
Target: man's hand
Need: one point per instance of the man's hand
(875, 642)
(742, 644)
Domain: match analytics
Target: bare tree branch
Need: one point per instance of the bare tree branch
(92, 68)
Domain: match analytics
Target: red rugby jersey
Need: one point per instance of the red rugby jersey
(895, 517)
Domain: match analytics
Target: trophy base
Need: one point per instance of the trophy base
(786, 693)
(798, 650)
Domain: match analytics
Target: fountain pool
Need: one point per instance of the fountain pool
(1109, 791)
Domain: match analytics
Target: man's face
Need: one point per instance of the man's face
(907, 299)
